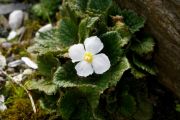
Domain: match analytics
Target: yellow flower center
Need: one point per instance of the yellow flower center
(88, 57)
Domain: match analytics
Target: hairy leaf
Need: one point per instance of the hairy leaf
(42, 85)
(137, 74)
(145, 109)
(113, 44)
(56, 40)
(68, 32)
(47, 63)
(144, 65)
(99, 5)
(131, 19)
(74, 106)
(82, 4)
(66, 76)
(86, 26)
(46, 8)
(143, 47)
(48, 42)
(128, 105)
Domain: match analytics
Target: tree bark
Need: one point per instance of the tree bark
(163, 22)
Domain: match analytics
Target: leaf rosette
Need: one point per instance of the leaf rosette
(82, 19)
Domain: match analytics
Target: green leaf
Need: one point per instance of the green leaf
(42, 85)
(46, 8)
(143, 47)
(148, 67)
(82, 4)
(92, 87)
(73, 105)
(131, 19)
(68, 104)
(145, 109)
(113, 44)
(128, 105)
(68, 32)
(178, 107)
(57, 40)
(85, 26)
(92, 96)
(114, 9)
(70, 10)
(48, 42)
(47, 63)
(137, 74)
(48, 102)
(66, 76)
(99, 5)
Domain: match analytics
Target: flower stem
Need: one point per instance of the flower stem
(22, 86)
(30, 97)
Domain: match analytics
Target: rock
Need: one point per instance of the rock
(18, 78)
(6, 45)
(2, 40)
(2, 104)
(29, 62)
(15, 63)
(27, 72)
(8, 8)
(16, 19)
(2, 61)
(10, 70)
(44, 29)
(12, 35)
(163, 22)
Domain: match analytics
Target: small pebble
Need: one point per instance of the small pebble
(12, 35)
(15, 63)
(10, 70)
(29, 62)
(44, 29)
(6, 45)
(27, 72)
(2, 61)
(16, 19)
(2, 79)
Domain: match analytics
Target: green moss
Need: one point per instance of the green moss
(21, 109)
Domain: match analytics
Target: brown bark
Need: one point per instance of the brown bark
(163, 22)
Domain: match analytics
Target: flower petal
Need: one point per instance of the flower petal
(76, 52)
(93, 44)
(101, 63)
(84, 69)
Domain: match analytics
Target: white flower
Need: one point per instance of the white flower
(2, 105)
(89, 59)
